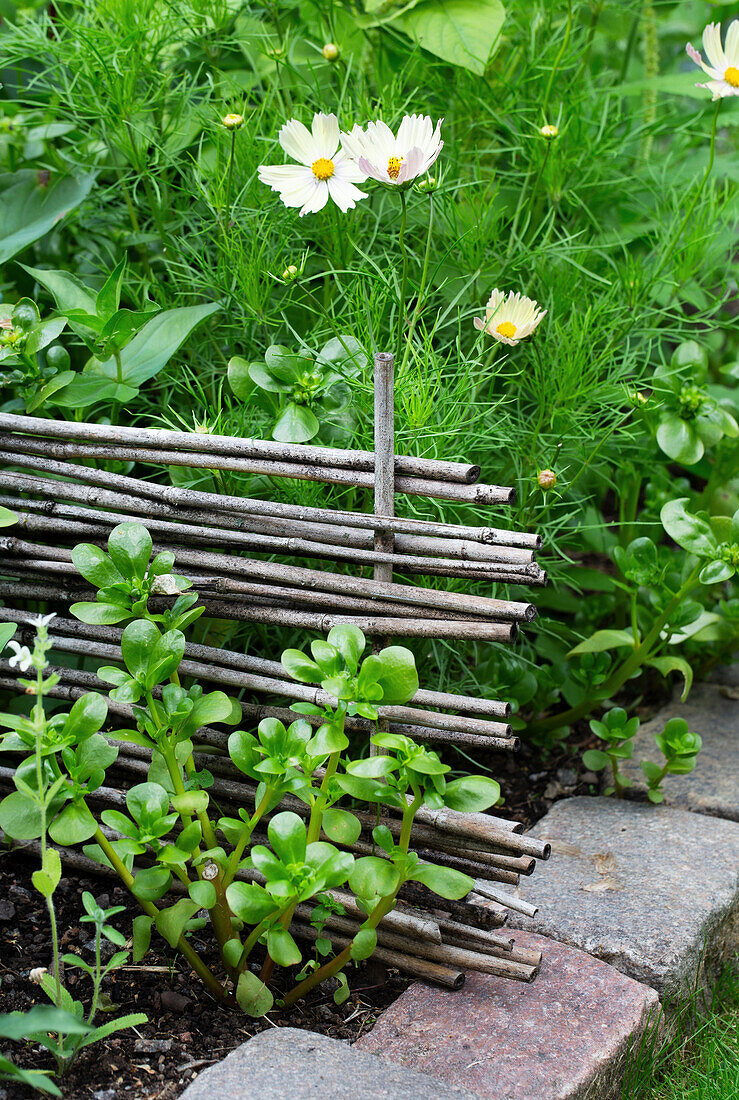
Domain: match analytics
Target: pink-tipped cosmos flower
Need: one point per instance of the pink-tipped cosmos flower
(395, 160)
(723, 62)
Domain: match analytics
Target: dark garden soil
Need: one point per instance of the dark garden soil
(187, 1030)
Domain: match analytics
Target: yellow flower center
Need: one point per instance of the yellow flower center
(731, 76)
(323, 168)
(393, 167)
(506, 328)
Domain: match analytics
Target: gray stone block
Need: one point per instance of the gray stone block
(564, 1037)
(713, 786)
(650, 889)
(286, 1062)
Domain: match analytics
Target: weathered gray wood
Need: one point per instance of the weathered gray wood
(23, 446)
(462, 472)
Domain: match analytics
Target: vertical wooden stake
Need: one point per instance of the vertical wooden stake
(384, 474)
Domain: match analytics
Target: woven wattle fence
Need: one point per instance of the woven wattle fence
(240, 555)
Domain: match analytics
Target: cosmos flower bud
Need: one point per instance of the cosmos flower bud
(233, 122)
(546, 479)
(549, 130)
(290, 273)
(331, 51)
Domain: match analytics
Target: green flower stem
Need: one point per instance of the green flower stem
(666, 255)
(558, 59)
(383, 907)
(404, 271)
(249, 827)
(229, 184)
(624, 672)
(424, 275)
(203, 972)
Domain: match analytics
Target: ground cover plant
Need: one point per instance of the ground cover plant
(213, 214)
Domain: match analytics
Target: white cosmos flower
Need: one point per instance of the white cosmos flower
(392, 159)
(723, 66)
(322, 171)
(510, 319)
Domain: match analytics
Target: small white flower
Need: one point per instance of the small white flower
(41, 620)
(322, 171)
(37, 974)
(391, 159)
(723, 66)
(510, 319)
(22, 656)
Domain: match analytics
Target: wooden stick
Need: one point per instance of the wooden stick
(462, 472)
(482, 827)
(503, 898)
(97, 527)
(129, 495)
(445, 954)
(300, 471)
(424, 969)
(255, 531)
(502, 610)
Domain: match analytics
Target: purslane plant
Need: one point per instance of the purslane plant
(170, 837)
(678, 744)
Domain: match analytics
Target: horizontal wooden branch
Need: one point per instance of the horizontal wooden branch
(300, 471)
(463, 472)
(169, 502)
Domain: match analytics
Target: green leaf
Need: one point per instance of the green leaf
(171, 922)
(141, 935)
(73, 825)
(398, 676)
(679, 440)
(155, 344)
(341, 826)
(295, 424)
(20, 817)
(595, 760)
(443, 880)
(372, 876)
(7, 630)
(48, 878)
(462, 32)
(151, 883)
(19, 1025)
(129, 546)
(350, 642)
(471, 794)
(95, 566)
(252, 994)
(282, 948)
(108, 297)
(99, 614)
(249, 902)
(363, 944)
(133, 1019)
(203, 894)
(239, 379)
(603, 640)
(30, 210)
(300, 666)
(715, 571)
(666, 665)
(287, 835)
(691, 532)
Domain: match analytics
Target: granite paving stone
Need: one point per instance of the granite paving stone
(286, 1063)
(651, 889)
(713, 786)
(564, 1037)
